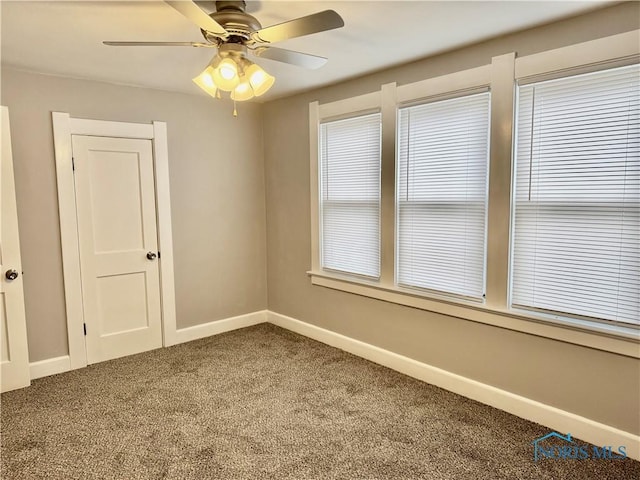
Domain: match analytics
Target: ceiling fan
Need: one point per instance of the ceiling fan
(236, 34)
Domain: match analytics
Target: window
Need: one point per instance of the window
(350, 194)
(443, 157)
(577, 196)
(460, 198)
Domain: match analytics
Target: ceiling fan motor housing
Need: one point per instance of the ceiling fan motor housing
(232, 16)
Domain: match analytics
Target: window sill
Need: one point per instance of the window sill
(609, 338)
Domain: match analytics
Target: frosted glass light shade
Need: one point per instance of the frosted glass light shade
(260, 80)
(205, 81)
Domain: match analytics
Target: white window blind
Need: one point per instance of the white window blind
(577, 196)
(350, 194)
(443, 157)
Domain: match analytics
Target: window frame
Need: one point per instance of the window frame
(328, 112)
(467, 91)
(322, 202)
(501, 77)
(559, 314)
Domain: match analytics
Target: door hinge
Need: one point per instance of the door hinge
(73, 164)
(84, 326)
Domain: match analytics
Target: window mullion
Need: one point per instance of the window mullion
(388, 185)
(499, 206)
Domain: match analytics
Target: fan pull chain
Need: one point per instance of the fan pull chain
(235, 112)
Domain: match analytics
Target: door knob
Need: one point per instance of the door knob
(11, 274)
(151, 255)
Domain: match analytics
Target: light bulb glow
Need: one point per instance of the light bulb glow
(208, 80)
(225, 75)
(227, 72)
(243, 91)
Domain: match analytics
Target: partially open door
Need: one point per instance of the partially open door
(14, 354)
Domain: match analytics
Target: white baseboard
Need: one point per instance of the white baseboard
(53, 366)
(220, 326)
(50, 366)
(554, 418)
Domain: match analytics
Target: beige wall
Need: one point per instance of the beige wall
(598, 385)
(217, 197)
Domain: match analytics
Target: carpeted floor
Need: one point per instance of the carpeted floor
(264, 403)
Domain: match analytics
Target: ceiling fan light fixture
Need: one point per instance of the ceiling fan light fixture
(231, 71)
(260, 80)
(235, 34)
(205, 81)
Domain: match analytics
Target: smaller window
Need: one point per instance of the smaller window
(443, 158)
(350, 195)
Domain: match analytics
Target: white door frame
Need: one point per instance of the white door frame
(63, 128)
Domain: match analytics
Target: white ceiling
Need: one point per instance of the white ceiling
(65, 38)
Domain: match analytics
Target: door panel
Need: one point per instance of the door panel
(14, 356)
(116, 210)
(117, 219)
(122, 303)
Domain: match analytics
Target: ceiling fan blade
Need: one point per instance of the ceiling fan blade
(315, 23)
(199, 17)
(158, 44)
(289, 56)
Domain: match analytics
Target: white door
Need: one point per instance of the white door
(115, 201)
(14, 353)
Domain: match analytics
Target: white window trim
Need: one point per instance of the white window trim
(623, 341)
(501, 76)
(593, 55)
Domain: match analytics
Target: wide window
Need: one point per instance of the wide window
(506, 194)
(577, 196)
(443, 157)
(350, 194)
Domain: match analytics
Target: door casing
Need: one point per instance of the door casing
(64, 126)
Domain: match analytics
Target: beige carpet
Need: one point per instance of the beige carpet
(263, 403)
